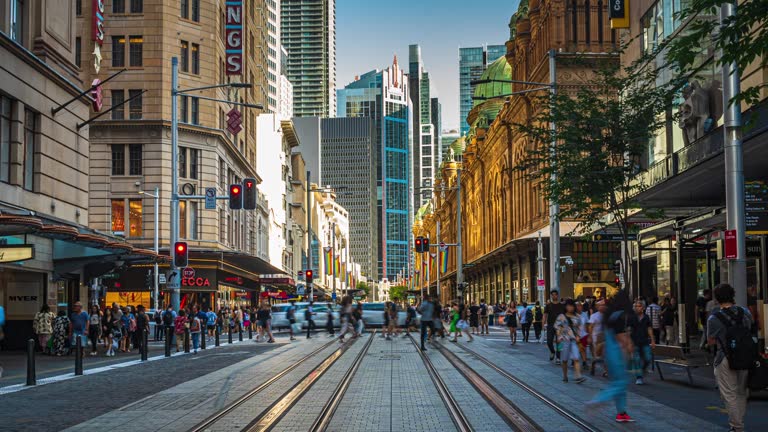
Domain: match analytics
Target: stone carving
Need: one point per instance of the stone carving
(700, 109)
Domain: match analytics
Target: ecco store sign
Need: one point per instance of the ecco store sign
(234, 33)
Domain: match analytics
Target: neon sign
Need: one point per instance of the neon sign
(234, 37)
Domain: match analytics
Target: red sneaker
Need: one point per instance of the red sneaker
(624, 418)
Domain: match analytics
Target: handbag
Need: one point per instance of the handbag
(462, 324)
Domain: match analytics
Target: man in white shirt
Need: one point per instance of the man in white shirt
(595, 326)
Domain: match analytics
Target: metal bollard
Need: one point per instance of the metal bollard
(250, 332)
(144, 345)
(216, 334)
(78, 355)
(168, 336)
(31, 375)
(229, 335)
(240, 334)
(186, 340)
(203, 337)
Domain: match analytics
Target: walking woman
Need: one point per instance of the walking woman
(94, 328)
(454, 314)
(264, 316)
(43, 326)
(108, 329)
(60, 332)
(511, 321)
(567, 331)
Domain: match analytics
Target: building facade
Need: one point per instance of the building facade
(308, 33)
(349, 155)
(384, 97)
(472, 63)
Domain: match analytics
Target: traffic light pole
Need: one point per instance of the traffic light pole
(309, 235)
(459, 257)
(175, 272)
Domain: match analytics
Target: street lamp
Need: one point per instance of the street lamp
(156, 282)
(174, 283)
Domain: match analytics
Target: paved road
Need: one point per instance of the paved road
(391, 391)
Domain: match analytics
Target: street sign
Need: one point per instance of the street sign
(605, 237)
(540, 284)
(210, 198)
(756, 207)
(300, 289)
(188, 272)
(111, 276)
(731, 249)
(174, 282)
(443, 246)
(301, 273)
(161, 278)
(333, 296)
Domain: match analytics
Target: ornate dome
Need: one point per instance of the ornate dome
(495, 81)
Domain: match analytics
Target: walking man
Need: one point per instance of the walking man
(643, 340)
(291, 315)
(552, 310)
(538, 314)
(654, 314)
(483, 317)
(308, 317)
(427, 310)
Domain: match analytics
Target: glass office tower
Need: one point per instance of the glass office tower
(472, 63)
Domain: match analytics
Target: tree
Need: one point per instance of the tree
(397, 292)
(741, 39)
(362, 286)
(603, 128)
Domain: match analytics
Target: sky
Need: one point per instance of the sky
(369, 33)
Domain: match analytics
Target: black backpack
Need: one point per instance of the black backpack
(740, 349)
(538, 313)
(167, 318)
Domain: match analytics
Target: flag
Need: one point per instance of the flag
(327, 260)
(444, 261)
(336, 265)
(432, 260)
(343, 273)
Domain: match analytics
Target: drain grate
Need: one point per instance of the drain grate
(390, 357)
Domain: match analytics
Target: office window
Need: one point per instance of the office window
(182, 219)
(182, 162)
(135, 217)
(194, 154)
(118, 217)
(30, 133)
(192, 220)
(196, 59)
(5, 139)
(118, 6)
(118, 159)
(223, 174)
(134, 159)
(118, 97)
(195, 111)
(137, 6)
(135, 105)
(78, 51)
(79, 7)
(196, 10)
(184, 54)
(118, 51)
(184, 109)
(17, 20)
(137, 51)
(184, 6)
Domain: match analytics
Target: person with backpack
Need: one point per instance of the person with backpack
(538, 319)
(728, 328)
(168, 318)
(526, 319)
(308, 314)
(483, 317)
(195, 328)
(210, 322)
(142, 326)
(158, 325)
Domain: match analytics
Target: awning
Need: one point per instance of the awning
(566, 228)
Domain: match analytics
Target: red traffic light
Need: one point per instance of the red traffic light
(181, 247)
(180, 255)
(308, 273)
(235, 196)
(249, 184)
(235, 190)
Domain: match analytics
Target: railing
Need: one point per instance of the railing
(701, 150)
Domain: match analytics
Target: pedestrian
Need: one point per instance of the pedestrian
(552, 310)
(329, 321)
(668, 320)
(654, 314)
(463, 324)
(595, 328)
(308, 314)
(386, 327)
(454, 321)
(108, 329)
(195, 328)
(437, 321)
(290, 314)
(94, 328)
(60, 332)
(538, 314)
(567, 331)
(43, 327)
(394, 328)
(618, 349)
(728, 328)
(180, 324)
(79, 326)
(526, 318)
(264, 318)
(169, 316)
(357, 314)
(643, 341)
(511, 321)
(347, 321)
(474, 318)
(210, 323)
(427, 310)
(581, 311)
(410, 320)
(485, 313)
(158, 316)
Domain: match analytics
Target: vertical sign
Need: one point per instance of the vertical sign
(730, 244)
(619, 13)
(756, 206)
(210, 198)
(234, 37)
(97, 27)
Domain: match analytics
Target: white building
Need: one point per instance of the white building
(286, 98)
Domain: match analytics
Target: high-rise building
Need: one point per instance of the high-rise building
(308, 32)
(384, 97)
(437, 122)
(472, 63)
(349, 154)
(425, 127)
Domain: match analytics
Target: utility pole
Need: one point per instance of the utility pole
(439, 264)
(459, 257)
(333, 263)
(734, 169)
(540, 272)
(175, 272)
(309, 235)
(554, 206)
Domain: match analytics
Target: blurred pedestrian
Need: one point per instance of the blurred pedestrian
(552, 310)
(643, 341)
(43, 327)
(79, 326)
(485, 312)
(526, 318)
(567, 331)
(309, 317)
(427, 310)
(94, 328)
(180, 324)
(60, 333)
(511, 321)
(290, 314)
(108, 331)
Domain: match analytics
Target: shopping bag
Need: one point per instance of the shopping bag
(296, 327)
(462, 324)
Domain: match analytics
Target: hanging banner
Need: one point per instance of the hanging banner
(444, 261)
(336, 265)
(328, 260)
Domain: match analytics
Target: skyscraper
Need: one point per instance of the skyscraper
(274, 55)
(308, 33)
(472, 63)
(424, 126)
(349, 153)
(384, 96)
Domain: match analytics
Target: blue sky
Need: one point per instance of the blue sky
(369, 33)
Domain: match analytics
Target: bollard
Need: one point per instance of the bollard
(31, 375)
(250, 332)
(203, 337)
(216, 335)
(168, 336)
(240, 334)
(144, 345)
(229, 336)
(78, 355)
(186, 340)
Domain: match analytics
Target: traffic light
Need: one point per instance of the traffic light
(249, 193)
(308, 276)
(235, 196)
(418, 244)
(425, 244)
(180, 255)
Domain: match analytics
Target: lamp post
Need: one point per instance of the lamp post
(175, 93)
(156, 196)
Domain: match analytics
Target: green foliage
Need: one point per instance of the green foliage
(742, 39)
(397, 292)
(364, 287)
